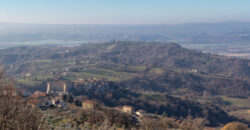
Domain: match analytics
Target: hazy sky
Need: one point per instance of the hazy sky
(123, 11)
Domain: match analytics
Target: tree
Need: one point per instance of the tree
(14, 111)
(235, 126)
(68, 98)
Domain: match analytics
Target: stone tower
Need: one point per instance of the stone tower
(48, 88)
(64, 87)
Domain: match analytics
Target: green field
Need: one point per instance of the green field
(238, 102)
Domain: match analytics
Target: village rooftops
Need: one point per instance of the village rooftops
(92, 83)
(33, 101)
(38, 94)
(87, 80)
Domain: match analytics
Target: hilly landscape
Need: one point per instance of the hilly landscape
(160, 78)
(229, 38)
(124, 65)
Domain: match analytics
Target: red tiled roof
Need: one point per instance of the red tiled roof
(88, 101)
(33, 101)
(37, 95)
(127, 107)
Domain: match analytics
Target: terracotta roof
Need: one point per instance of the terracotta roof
(37, 95)
(88, 101)
(127, 107)
(33, 101)
(42, 94)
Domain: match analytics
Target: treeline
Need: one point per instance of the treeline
(186, 83)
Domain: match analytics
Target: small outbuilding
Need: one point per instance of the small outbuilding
(140, 113)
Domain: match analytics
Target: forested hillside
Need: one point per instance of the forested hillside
(186, 83)
(162, 55)
(160, 78)
(168, 55)
(181, 70)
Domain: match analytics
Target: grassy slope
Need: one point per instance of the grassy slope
(238, 102)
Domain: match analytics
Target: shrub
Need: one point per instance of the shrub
(235, 126)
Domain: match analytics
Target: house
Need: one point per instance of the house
(127, 109)
(33, 102)
(28, 74)
(88, 104)
(57, 103)
(194, 70)
(38, 94)
(140, 113)
(9, 92)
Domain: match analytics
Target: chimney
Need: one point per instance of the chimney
(48, 88)
(64, 87)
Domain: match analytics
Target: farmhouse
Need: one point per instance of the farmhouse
(88, 104)
(127, 109)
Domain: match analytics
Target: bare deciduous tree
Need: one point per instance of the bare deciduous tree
(14, 111)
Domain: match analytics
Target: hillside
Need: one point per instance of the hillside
(167, 55)
(130, 61)
(111, 94)
(186, 83)
(162, 55)
(160, 78)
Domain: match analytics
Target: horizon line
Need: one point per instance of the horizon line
(8, 22)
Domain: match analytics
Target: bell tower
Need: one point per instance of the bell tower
(64, 87)
(48, 88)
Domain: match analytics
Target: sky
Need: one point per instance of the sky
(123, 11)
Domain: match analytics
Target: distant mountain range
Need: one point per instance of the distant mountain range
(226, 32)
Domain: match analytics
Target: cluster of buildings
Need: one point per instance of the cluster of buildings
(89, 104)
(45, 101)
(52, 98)
(48, 99)
(89, 83)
